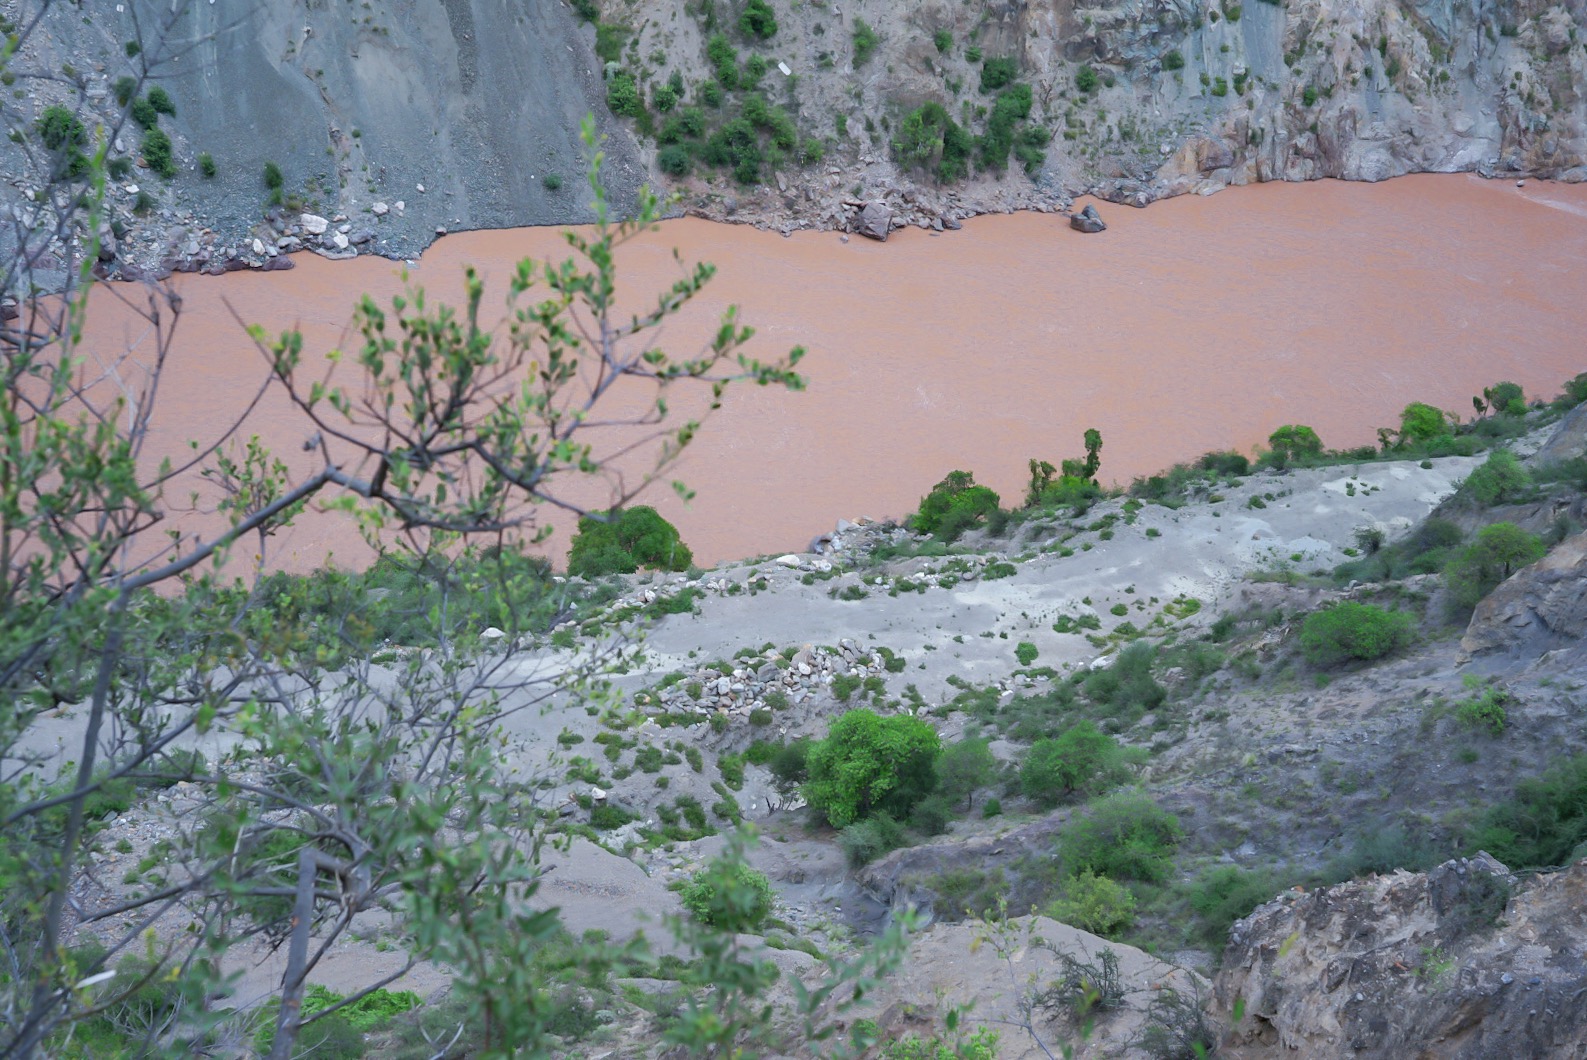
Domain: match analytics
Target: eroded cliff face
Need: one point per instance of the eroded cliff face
(1189, 95)
(450, 114)
(396, 121)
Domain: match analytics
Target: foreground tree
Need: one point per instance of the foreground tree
(334, 784)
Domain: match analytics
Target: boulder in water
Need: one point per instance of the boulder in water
(1088, 220)
(874, 221)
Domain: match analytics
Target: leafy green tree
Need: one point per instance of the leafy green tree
(869, 763)
(965, 768)
(1498, 552)
(1422, 423)
(627, 541)
(349, 788)
(1351, 631)
(1504, 398)
(1295, 442)
(1498, 480)
(1081, 759)
(954, 505)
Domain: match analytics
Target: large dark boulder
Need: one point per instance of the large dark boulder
(1088, 220)
(875, 221)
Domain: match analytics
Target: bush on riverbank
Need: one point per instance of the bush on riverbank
(626, 541)
(1354, 632)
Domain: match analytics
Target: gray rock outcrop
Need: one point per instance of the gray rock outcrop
(1537, 609)
(1462, 956)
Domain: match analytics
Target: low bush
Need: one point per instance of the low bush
(865, 42)
(157, 152)
(758, 20)
(1093, 903)
(865, 841)
(160, 100)
(730, 895)
(963, 769)
(1126, 690)
(626, 541)
(1124, 835)
(1350, 631)
(1222, 895)
(1544, 824)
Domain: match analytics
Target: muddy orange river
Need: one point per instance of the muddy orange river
(1196, 324)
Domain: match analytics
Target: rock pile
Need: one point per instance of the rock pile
(752, 682)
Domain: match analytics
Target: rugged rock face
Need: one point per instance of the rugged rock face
(411, 119)
(1462, 961)
(455, 115)
(1538, 609)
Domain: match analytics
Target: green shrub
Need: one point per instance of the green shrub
(609, 38)
(1498, 552)
(943, 40)
(928, 138)
(997, 72)
(865, 42)
(623, 543)
(552, 181)
(622, 95)
(1222, 895)
(157, 152)
(1093, 903)
(60, 130)
(1124, 835)
(758, 20)
(865, 841)
(1173, 60)
(665, 98)
(1485, 711)
(63, 132)
(723, 57)
(869, 763)
(160, 100)
(674, 160)
(1502, 397)
(1086, 79)
(1127, 689)
(1025, 652)
(1544, 824)
(953, 506)
(1500, 479)
(125, 89)
(730, 895)
(1351, 631)
(273, 178)
(206, 165)
(1081, 759)
(144, 114)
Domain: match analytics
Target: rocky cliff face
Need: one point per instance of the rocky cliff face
(466, 113)
(1141, 99)
(1462, 961)
(451, 115)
